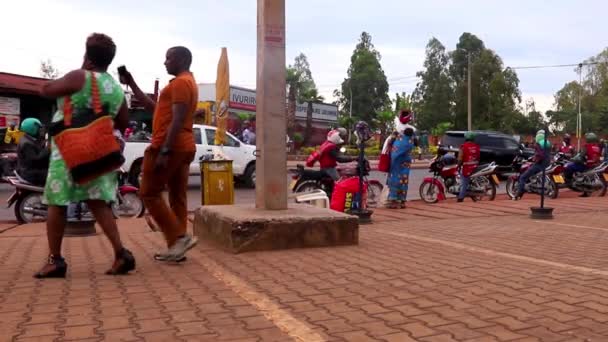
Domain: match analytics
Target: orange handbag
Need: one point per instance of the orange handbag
(86, 141)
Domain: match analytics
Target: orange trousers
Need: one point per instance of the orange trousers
(173, 220)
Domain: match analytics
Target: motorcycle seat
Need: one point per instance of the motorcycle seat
(313, 174)
(25, 182)
(481, 167)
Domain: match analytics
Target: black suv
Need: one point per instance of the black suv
(495, 147)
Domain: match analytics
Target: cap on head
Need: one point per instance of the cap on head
(591, 137)
(469, 136)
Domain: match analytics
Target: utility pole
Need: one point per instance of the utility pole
(469, 117)
(350, 115)
(579, 118)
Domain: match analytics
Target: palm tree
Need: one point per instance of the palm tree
(311, 96)
(294, 80)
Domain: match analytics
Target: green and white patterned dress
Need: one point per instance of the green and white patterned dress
(60, 190)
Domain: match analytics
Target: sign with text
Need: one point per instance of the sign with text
(320, 111)
(241, 98)
(10, 106)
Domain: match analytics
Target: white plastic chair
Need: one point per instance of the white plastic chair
(317, 198)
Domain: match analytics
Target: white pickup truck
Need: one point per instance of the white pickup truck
(242, 155)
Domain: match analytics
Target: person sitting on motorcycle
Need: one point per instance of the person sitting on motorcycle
(587, 158)
(542, 159)
(468, 160)
(604, 145)
(32, 153)
(566, 148)
(330, 155)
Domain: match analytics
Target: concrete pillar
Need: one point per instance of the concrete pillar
(271, 164)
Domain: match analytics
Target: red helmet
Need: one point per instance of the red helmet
(405, 116)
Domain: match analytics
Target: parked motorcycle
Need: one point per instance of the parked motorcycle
(591, 182)
(553, 178)
(446, 179)
(306, 180)
(29, 208)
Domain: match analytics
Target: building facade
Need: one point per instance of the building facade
(242, 105)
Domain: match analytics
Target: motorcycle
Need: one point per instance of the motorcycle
(29, 208)
(553, 179)
(591, 182)
(306, 180)
(482, 183)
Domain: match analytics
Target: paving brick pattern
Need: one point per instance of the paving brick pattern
(446, 272)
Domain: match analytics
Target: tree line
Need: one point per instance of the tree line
(439, 98)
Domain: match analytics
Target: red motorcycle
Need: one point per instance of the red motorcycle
(446, 179)
(553, 179)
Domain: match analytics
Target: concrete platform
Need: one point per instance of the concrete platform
(242, 228)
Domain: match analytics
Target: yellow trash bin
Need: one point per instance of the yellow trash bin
(217, 182)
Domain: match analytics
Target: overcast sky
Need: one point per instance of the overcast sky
(523, 33)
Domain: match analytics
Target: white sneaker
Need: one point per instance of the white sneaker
(181, 246)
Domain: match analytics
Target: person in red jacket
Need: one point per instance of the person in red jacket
(589, 157)
(566, 148)
(468, 160)
(329, 154)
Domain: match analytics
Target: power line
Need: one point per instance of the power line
(556, 65)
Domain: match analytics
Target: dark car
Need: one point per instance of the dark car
(495, 147)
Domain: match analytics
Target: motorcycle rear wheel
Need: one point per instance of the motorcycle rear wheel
(132, 206)
(30, 201)
(308, 186)
(511, 188)
(601, 192)
(429, 192)
(374, 190)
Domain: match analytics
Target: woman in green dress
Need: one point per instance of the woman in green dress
(98, 194)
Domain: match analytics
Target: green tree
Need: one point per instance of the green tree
(310, 97)
(385, 121)
(366, 82)
(293, 83)
(403, 101)
(441, 128)
(495, 89)
(299, 83)
(302, 67)
(433, 96)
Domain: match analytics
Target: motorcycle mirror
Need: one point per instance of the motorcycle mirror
(343, 149)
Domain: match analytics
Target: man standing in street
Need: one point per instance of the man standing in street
(167, 160)
(468, 160)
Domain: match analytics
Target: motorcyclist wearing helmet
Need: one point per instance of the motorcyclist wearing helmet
(542, 159)
(587, 158)
(32, 153)
(329, 154)
(468, 160)
(566, 148)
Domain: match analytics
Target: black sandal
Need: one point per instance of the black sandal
(124, 263)
(55, 267)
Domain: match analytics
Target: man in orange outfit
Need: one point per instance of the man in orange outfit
(167, 160)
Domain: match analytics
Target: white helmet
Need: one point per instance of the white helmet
(334, 137)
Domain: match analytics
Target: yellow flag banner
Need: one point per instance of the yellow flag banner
(222, 97)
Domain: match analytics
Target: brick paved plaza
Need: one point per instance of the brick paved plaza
(446, 272)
